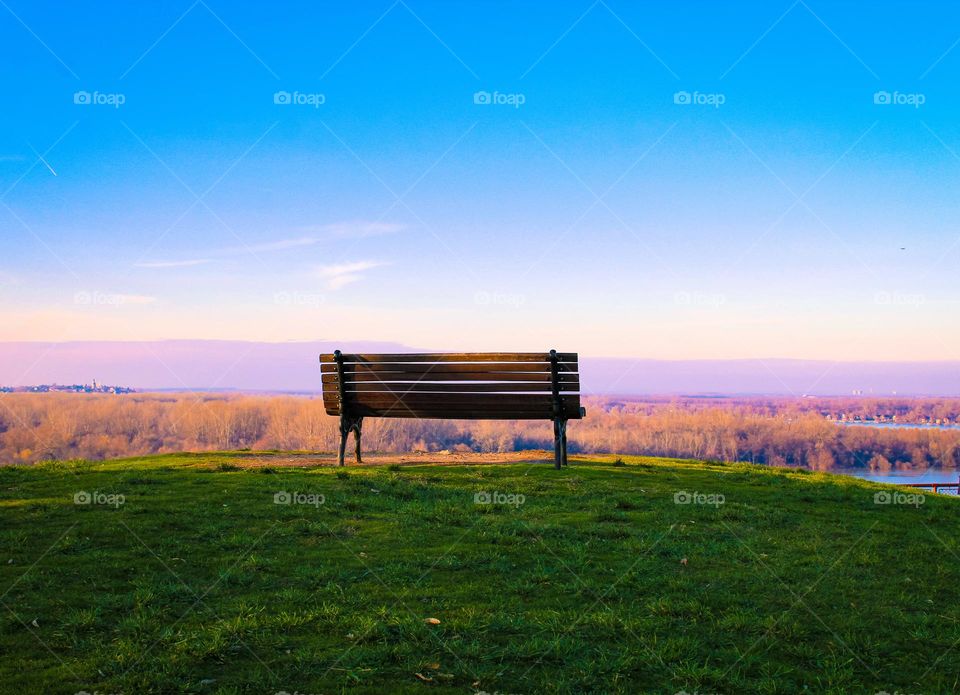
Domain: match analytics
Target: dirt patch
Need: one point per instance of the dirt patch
(437, 458)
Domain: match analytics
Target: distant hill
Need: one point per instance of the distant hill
(292, 366)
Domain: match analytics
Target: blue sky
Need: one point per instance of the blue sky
(659, 180)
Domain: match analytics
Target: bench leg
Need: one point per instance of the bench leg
(557, 454)
(563, 441)
(349, 424)
(357, 425)
(344, 430)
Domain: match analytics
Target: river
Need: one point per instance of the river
(931, 475)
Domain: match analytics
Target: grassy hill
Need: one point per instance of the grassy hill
(597, 578)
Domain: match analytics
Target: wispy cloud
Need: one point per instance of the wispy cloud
(355, 229)
(267, 246)
(318, 233)
(342, 274)
(172, 264)
(311, 236)
(278, 245)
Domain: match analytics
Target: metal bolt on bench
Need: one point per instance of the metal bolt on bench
(453, 386)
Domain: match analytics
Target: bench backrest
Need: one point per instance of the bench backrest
(469, 385)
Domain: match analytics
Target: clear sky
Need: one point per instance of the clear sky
(658, 179)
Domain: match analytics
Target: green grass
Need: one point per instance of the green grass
(597, 582)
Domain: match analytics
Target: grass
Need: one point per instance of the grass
(590, 579)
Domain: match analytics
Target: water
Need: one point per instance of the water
(931, 475)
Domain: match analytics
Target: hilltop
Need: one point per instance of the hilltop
(241, 572)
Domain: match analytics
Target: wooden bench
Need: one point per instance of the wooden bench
(453, 386)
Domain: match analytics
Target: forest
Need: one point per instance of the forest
(775, 431)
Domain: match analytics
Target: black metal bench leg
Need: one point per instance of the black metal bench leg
(349, 424)
(557, 453)
(344, 431)
(563, 441)
(357, 425)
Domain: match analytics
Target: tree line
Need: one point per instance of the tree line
(776, 431)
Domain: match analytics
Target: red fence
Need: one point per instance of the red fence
(936, 487)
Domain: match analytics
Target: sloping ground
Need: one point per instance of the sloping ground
(193, 573)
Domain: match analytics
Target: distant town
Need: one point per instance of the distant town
(891, 420)
(67, 388)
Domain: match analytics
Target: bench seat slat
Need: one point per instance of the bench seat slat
(450, 414)
(452, 357)
(399, 377)
(398, 410)
(448, 368)
(473, 387)
(490, 402)
(474, 400)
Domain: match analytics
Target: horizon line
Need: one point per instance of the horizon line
(404, 349)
